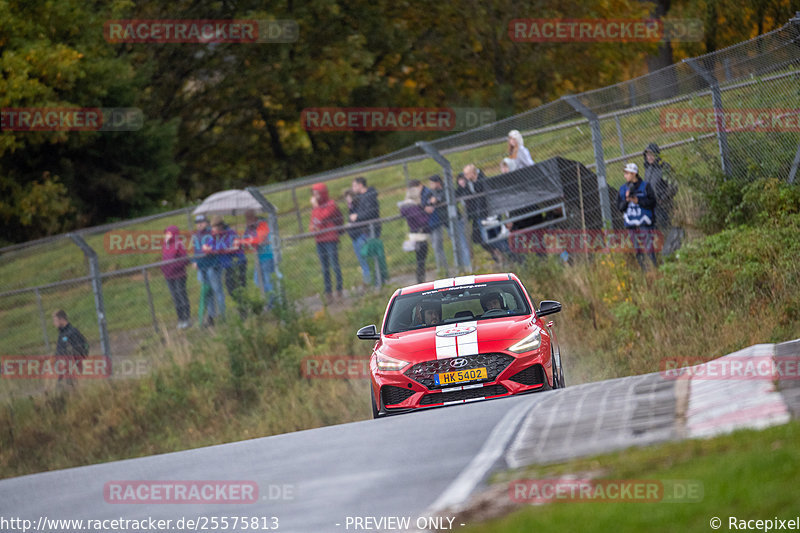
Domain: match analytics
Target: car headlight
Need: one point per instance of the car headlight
(389, 363)
(531, 342)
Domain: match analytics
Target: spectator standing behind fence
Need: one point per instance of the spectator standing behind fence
(660, 176)
(472, 187)
(212, 296)
(71, 344)
(256, 235)
(417, 219)
(233, 261)
(637, 201)
(175, 274)
(355, 236)
(517, 152)
(368, 244)
(325, 214)
(432, 201)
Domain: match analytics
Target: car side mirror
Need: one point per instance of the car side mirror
(548, 307)
(368, 333)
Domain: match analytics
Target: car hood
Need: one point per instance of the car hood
(457, 339)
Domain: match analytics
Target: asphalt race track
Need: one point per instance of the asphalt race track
(413, 465)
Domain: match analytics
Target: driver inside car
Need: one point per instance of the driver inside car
(491, 301)
(429, 314)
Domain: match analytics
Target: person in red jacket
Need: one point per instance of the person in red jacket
(175, 274)
(325, 214)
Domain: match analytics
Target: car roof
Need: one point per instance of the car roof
(455, 282)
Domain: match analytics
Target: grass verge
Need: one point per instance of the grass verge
(747, 474)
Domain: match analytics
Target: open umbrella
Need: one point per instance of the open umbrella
(232, 202)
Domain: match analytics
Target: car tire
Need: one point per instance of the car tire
(558, 372)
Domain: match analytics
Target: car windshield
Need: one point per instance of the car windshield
(481, 301)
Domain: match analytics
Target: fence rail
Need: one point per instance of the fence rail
(568, 138)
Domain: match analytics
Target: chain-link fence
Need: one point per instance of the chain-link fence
(731, 114)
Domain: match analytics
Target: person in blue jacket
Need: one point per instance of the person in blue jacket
(637, 202)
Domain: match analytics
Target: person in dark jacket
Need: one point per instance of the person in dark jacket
(637, 202)
(368, 243)
(70, 341)
(472, 187)
(356, 235)
(71, 345)
(232, 260)
(433, 202)
(417, 219)
(658, 174)
(325, 215)
(175, 274)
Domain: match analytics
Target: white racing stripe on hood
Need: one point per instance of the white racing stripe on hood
(447, 347)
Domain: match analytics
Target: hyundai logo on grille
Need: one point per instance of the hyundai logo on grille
(458, 363)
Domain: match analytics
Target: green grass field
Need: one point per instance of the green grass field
(748, 475)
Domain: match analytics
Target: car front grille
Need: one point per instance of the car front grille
(424, 372)
(394, 395)
(468, 394)
(533, 375)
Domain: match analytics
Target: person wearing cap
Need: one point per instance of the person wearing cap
(517, 152)
(637, 202)
(175, 274)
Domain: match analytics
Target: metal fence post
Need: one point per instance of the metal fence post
(716, 99)
(97, 289)
(43, 320)
(297, 210)
(599, 157)
(452, 212)
(378, 275)
(274, 240)
(150, 299)
(795, 164)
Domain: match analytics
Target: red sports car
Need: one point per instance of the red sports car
(461, 339)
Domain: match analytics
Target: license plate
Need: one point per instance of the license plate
(461, 376)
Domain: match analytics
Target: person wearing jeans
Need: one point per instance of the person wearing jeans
(637, 201)
(175, 274)
(368, 245)
(357, 236)
(417, 220)
(256, 234)
(325, 215)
